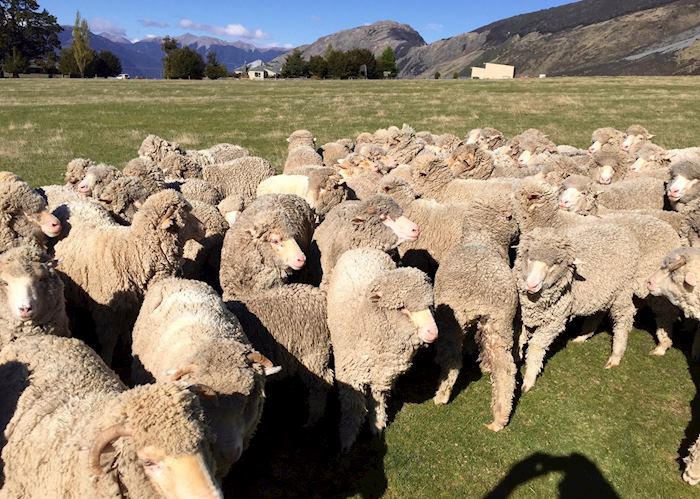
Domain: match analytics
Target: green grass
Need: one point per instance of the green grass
(583, 431)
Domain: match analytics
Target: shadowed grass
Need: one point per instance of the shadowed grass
(583, 431)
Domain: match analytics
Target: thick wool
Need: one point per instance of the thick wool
(300, 138)
(288, 325)
(239, 177)
(374, 340)
(148, 171)
(62, 396)
(202, 258)
(333, 151)
(106, 268)
(197, 189)
(184, 324)
(302, 156)
(591, 269)
(608, 136)
(75, 171)
(48, 307)
(486, 138)
(123, 197)
(248, 261)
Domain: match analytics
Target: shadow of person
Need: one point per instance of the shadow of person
(14, 379)
(582, 478)
(683, 342)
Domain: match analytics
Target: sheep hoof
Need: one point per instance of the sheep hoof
(612, 363)
(441, 398)
(658, 351)
(495, 426)
(527, 386)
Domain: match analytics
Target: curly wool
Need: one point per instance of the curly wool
(150, 174)
(122, 198)
(17, 203)
(239, 177)
(75, 171)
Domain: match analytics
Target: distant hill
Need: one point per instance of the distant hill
(144, 57)
(590, 37)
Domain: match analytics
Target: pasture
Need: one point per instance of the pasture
(582, 432)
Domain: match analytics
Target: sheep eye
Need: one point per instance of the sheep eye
(3, 283)
(147, 463)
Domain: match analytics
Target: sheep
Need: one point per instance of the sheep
(56, 195)
(106, 267)
(75, 171)
(402, 146)
(566, 273)
(197, 189)
(581, 195)
(74, 424)
(485, 138)
(441, 225)
(24, 217)
(302, 156)
(469, 161)
(334, 151)
(238, 177)
(231, 207)
(300, 138)
(530, 143)
(321, 188)
(536, 207)
(265, 245)
(123, 197)
(378, 223)
(609, 138)
(475, 289)
(97, 177)
(149, 172)
(185, 332)
(31, 295)
(218, 153)
(202, 258)
(608, 167)
(691, 473)
(378, 317)
(685, 184)
(287, 324)
(634, 136)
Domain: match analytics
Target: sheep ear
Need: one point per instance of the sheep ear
(691, 279)
(138, 204)
(359, 219)
(179, 373)
(375, 296)
(168, 219)
(651, 136)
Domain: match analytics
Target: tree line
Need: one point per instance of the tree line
(340, 65)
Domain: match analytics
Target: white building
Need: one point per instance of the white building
(493, 71)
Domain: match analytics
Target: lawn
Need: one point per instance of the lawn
(582, 432)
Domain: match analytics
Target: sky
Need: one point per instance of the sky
(283, 23)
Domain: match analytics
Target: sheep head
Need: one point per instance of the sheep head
(577, 194)
(684, 185)
(406, 296)
(609, 167)
(163, 429)
(635, 134)
(382, 209)
(605, 136)
(545, 260)
(27, 210)
(398, 189)
(97, 177)
(270, 233)
(486, 138)
(29, 285)
(326, 189)
(471, 161)
(677, 279)
(75, 171)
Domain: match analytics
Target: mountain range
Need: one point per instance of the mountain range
(589, 37)
(145, 57)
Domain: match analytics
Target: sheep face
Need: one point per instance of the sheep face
(276, 243)
(679, 187)
(28, 284)
(386, 211)
(608, 168)
(96, 178)
(469, 161)
(26, 211)
(545, 261)
(635, 135)
(405, 297)
(603, 137)
(677, 279)
(49, 224)
(571, 199)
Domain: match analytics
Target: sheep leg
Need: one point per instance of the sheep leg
(695, 350)
(540, 341)
(622, 313)
(449, 358)
(377, 416)
(353, 411)
(317, 390)
(497, 357)
(523, 338)
(590, 324)
(665, 314)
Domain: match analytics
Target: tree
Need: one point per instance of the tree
(66, 63)
(295, 66)
(184, 63)
(81, 44)
(318, 68)
(437, 75)
(356, 58)
(455, 75)
(387, 62)
(25, 34)
(49, 64)
(104, 64)
(168, 44)
(214, 70)
(337, 62)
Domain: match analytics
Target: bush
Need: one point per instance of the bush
(318, 68)
(214, 70)
(295, 66)
(185, 64)
(437, 75)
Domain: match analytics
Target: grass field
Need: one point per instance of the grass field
(582, 432)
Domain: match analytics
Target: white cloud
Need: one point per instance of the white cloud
(435, 26)
(102, 25)
(234, 30)
(152, 23)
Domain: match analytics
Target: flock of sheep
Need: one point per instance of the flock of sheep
(210, 274)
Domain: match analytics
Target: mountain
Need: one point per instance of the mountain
(145, 57)
(589, 37)
(375, 37)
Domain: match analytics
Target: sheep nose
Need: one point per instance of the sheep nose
(301, 259)
(415, 231)
(25, 311)
(650, 285)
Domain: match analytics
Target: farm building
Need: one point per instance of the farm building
(256, 70)
(494, 72)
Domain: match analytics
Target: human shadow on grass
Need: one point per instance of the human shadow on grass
(683, 340)
(14, 379)
(582, 478)
(287, 460)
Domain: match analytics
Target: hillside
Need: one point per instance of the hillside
(144, 57)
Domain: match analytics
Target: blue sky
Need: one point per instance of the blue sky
(283, 23)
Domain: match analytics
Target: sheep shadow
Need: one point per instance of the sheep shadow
(692, 431)
(14, 379)
(582, 478)
(287, 460)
